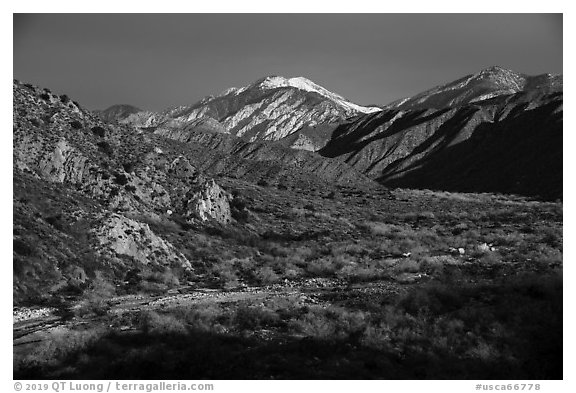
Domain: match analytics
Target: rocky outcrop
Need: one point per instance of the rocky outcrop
(207, 201)
(124, 236)
(201, 198)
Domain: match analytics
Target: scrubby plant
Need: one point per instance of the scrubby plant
(225, 275)
(266, 275)
(152, 322)
(75, 124)
(249, 317)
(96, 297)
(106, 148)
(99, 131)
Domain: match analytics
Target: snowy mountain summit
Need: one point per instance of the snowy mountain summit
(274, 82)
(270, 108)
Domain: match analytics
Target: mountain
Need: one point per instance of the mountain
(488, 83)
(117, 112)
(482, 132)
(271, 108)
(94, 198)
(495, 131)
(89, 197)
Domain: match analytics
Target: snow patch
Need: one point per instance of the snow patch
(301, 83)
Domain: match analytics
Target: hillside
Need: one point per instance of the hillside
(191, 253)
(85, 193)
(488, 83)
(117, 112)
(505, 141)
(268, 109)
(492, 131)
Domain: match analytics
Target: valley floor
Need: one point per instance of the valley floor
(327, 284)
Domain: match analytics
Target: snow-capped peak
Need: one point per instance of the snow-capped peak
(301, 83)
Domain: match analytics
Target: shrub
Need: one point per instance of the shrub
(332, 323)
(407, 266)
(266, 275)
(45, 96)
(56, 222)
(95, 298)
(238, 209)
(99, 131)
(120, 179)
(249, 317)
(129, 166)
(380, 228)
(321, 267)
(75, 124)
(22, 248)
(490, 258)
(162, 324)
(64, 98)
(208, 318)
(240, 215)
(225, 275)
(434, 298)
(59, 345)
(105, 147)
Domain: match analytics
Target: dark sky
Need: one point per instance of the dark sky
(154, 61)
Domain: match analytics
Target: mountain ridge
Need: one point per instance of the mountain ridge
(385, 144)
(485, 84)
(270, 108)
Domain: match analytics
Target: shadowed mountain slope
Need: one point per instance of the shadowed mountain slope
(508, 144)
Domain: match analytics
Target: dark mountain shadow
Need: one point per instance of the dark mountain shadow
(344, 141)
(520, 154)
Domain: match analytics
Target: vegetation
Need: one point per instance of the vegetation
(469, 287)
(75, 124)
(99, 131)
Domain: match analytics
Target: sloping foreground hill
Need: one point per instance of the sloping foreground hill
(507, 144)
(85, 193)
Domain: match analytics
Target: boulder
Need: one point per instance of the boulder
(124, 236)
(205, 201)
